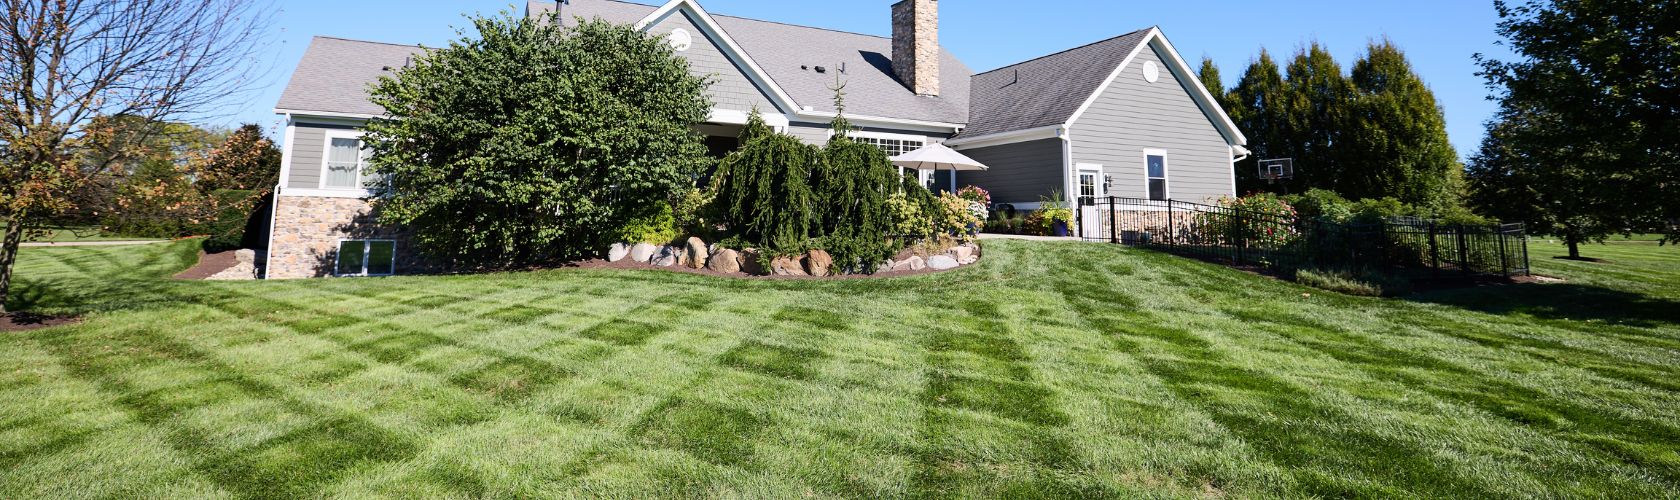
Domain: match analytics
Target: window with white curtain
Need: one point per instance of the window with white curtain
(346, 163)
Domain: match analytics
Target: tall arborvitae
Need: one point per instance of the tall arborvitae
(1209, 75)
(1256, 104)
(1315, 107)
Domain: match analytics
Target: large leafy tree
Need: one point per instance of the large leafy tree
(532, 141)
(1587, 141)
(65, 63)
(1316, 101)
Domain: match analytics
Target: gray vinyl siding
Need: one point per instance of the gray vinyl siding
(1133, 114)
(731, 88)
(1021, 172)
(308, 144)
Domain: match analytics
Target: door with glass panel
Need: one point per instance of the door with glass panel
(1090, 191)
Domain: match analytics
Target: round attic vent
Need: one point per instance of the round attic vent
(681, 40)
(1151, 71)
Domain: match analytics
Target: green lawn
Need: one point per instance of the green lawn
(77, 234)
(1051, 369)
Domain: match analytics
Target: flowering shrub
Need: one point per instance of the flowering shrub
(906, 218)
(955, 216)
(976, 194)
(979, 210)
(1258, 220)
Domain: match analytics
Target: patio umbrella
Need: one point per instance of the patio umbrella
(938, 157)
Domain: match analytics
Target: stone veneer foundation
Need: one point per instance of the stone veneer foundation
(303, 242)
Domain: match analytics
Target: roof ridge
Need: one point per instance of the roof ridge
(714, 14)
(1053, 54)
(343, 39)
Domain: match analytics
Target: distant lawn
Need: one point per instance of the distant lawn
(78, 234)
(1052, 369)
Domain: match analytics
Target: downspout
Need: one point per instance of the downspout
(1067, 176)
(1237, 149)
(274, 204)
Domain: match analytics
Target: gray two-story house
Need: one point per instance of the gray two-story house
(1123, 117)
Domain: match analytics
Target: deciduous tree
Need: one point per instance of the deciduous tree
(1587, 141)
(63, 63)
(534, 142)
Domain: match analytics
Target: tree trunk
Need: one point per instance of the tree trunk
(1574, 249)
(8, 256)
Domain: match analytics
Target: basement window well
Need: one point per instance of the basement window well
(366, 258)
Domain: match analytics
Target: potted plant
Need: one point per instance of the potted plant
(1054, 214)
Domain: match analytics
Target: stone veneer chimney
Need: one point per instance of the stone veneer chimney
(915, 45)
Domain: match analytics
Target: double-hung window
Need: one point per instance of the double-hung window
(345, 165)
(1155, 163)
(366, 258)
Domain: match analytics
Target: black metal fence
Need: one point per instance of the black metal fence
(1282, 243)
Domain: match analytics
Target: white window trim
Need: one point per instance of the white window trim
(326, 156)
(1094, 169)
(1166, 172)
(925, 177)
(367, 248)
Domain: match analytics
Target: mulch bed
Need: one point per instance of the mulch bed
(23, 322)
(209, 264)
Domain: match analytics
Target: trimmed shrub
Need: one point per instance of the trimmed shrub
(656, 224)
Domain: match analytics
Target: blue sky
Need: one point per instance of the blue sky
(1439, 36)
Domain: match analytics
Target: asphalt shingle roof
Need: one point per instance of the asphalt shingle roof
(782, 49)
(1044, 91)
(335, 73)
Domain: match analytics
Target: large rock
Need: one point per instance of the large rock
(817, 262)
(751, 262)
(644, 253)
(618, 252)
(942, 262)
(696, 253)
(960, 253)
(787, 266)
(913, 263)
(725, 261)
(668, 256)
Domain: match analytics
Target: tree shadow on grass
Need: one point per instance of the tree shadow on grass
(1562, 302)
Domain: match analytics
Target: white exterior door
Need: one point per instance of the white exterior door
(1089, 194)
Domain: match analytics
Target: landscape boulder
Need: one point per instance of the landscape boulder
(644, 253)
(668, 256)
(942, 262)
(913, 263)
(959, 253)
(725, 261)
(787, 266)
(751, 262)
(697, 253)
(618, 252)
(817, 262)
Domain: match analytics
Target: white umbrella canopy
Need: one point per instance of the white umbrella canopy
(937, 157)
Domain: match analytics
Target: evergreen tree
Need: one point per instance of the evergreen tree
(1395, 136)
(1316, 111)
(1209, 75)
(1256, 105)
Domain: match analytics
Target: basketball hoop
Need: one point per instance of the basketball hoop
(1281, 169)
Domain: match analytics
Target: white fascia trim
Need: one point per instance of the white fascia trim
(1001, 138)
(733, 50)
(738, 117)
(884, 122)
(363, 194)
(1181, 70)
(324, 114)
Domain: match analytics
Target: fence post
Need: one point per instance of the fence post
(1434, 250)
(1241, 239)
(1504, 261)
(1113, 222)
(1172, 225)
(1463, 251)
